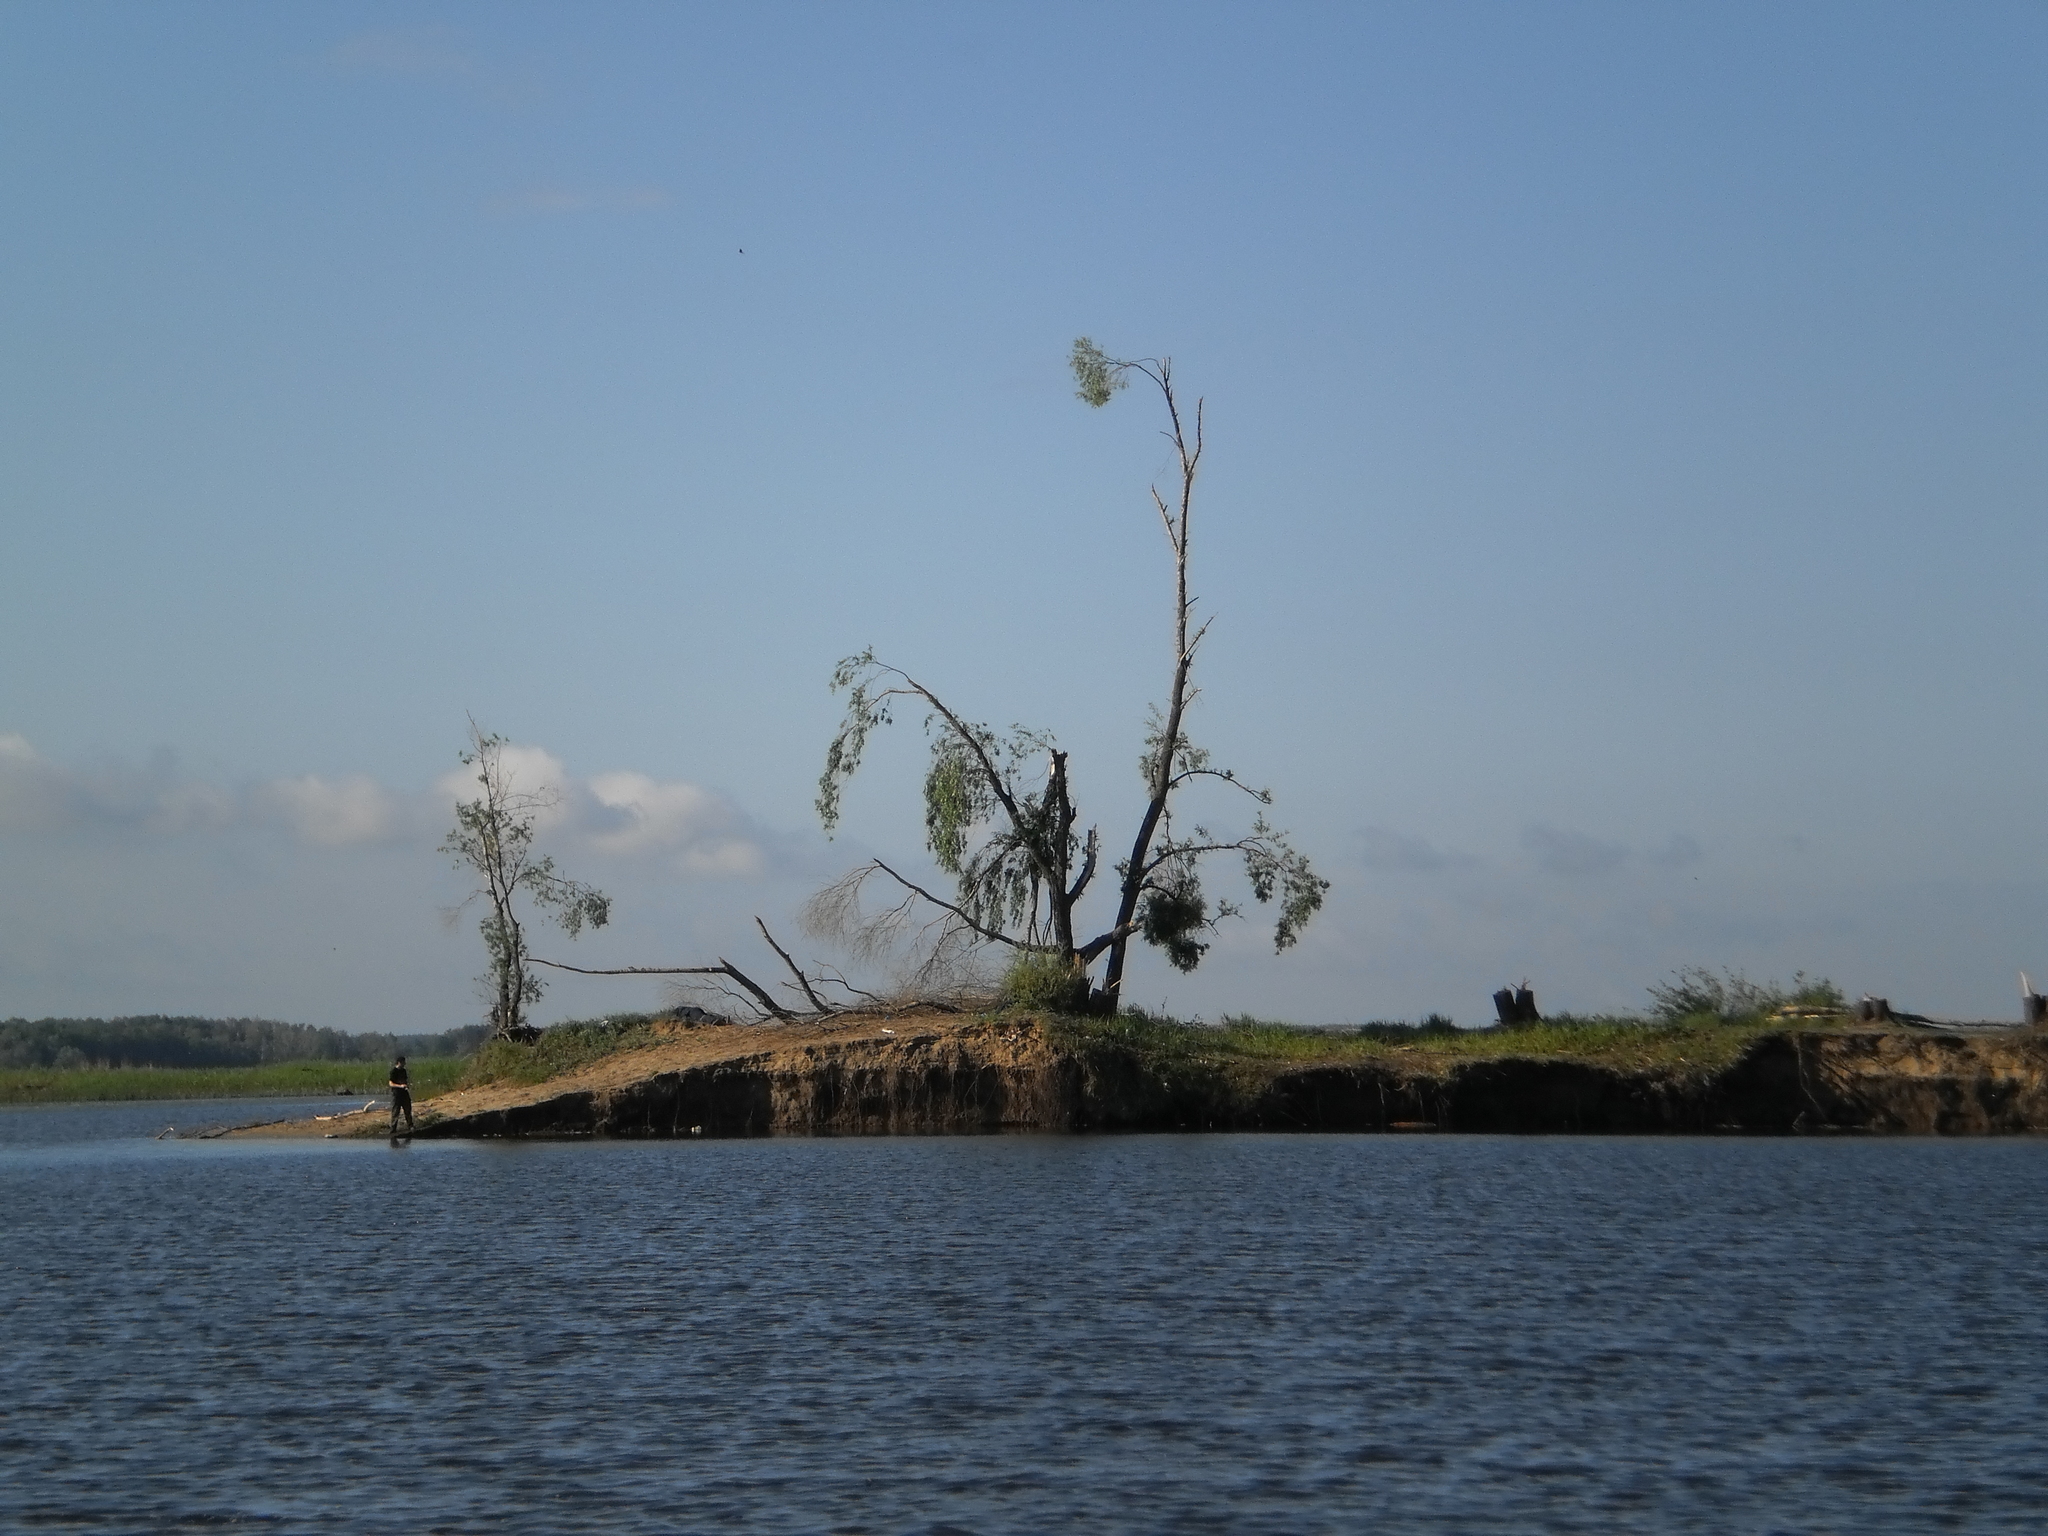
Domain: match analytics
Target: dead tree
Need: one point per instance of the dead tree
(720, 979)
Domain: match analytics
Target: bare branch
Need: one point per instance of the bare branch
(723, 968)
(834, 979)
(937, 901)
(1171, 851)
(801, 980)
(1229, 776)
(1091, 852)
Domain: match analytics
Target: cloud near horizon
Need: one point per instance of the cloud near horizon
(1572, 854)
(330, 812)
(1382, 848)
(621, 814)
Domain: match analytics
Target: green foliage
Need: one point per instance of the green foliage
(1096, 375)
(1272, 864)
(1001, 880)
(493, 839)
(430, 1075)
(1694, 992)
(1042, 982)
(956, 796)
(1817, 993)
(155, 1040)
(1173, 911)
(998, 826)
(867, 706)
(558, 1049)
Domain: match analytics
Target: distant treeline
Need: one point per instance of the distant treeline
(154, 1040)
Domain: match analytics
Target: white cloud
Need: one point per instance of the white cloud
(530, 772)
(31, 791)
(650, 815)
(613, 815)
(37, 795)
(330, 812)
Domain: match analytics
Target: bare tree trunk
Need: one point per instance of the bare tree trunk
(1135, 872)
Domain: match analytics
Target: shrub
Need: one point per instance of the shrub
(1694, 991)
(558, 1049)
(1044, 983)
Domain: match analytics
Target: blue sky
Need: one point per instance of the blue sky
(1621, 521)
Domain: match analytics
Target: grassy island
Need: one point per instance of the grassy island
(1790, 1069)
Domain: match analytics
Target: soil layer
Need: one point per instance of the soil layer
(948, 1074)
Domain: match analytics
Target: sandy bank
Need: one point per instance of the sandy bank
(949, 1074)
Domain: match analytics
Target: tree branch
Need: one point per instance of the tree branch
(723, 968)
(1095, 946)
(1229, 776)
(1174, 851)
(960, 729)
(986, 933)
(1094, 848)
(801, 979)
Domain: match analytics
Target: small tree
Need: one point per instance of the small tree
(493, 837)
(999, 811)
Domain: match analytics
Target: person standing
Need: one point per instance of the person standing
(401, 1095)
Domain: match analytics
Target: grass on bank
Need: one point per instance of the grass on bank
(1701, 1020)
(561, 1048)
(1701, 1041)
(356, 1079)
(1697, 1041)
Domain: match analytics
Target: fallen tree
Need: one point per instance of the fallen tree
(753, 998)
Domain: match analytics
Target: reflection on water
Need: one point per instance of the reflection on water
(1021, 1334)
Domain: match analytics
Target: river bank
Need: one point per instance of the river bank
(930, 1074)
(281, 1079)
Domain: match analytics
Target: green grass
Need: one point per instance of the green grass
(74, 1085)
(1700, 1042)
(561, 1048)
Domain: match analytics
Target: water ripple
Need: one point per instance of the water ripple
(1171, 1334)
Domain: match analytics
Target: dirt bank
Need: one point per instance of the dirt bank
(945, 1074)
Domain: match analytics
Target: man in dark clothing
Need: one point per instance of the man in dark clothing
(401, 1095)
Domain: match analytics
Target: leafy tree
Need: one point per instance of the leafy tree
(493, 837)
(1000, 817)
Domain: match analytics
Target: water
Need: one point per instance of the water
(1019, 1334)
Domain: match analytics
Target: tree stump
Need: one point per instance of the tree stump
(1516, 1005)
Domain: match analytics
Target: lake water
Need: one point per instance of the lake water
(1018, 1334)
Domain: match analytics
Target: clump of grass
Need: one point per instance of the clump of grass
(280, 1080)
(1695, 992)
(560, 1048)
